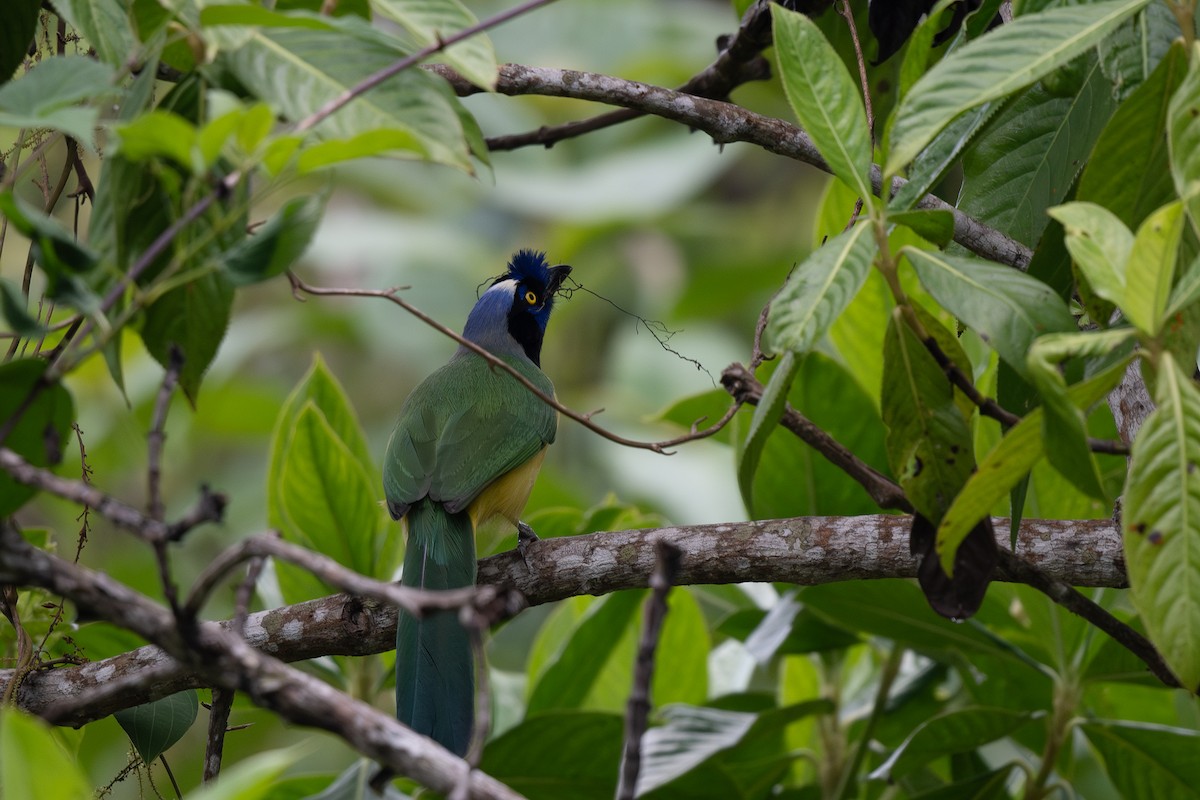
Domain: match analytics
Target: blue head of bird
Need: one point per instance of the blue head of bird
(510, 318)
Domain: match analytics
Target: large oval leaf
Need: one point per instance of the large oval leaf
(996, 65)
(153, 727)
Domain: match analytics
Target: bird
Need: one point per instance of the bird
(467, 447)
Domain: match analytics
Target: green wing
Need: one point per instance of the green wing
(462, 428)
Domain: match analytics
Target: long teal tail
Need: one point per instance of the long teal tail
(435, 671)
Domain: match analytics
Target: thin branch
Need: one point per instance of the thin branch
(583, 419)
(745, 388)
(223, 659)
(209, 508)
(726, 123)
(637, 711)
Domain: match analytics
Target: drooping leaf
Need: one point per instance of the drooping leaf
(1144, 760)
(1183, 136)
(1128, 173)
(824, 97)
(958, 731)
(153, 727)
(996, 65)
(559, 754)
(1161, 522)
(194, 318)
(1006, 307)
(56, 250)
(1150, 271)
(1010, 460)
(819, 289)
(158, 134)
(928, 441)
(12, 307)
(432, 21)
(1100, 245)
(41, 433)
(33, 764)
(1064, 427)
(941, 153)
(276, 245)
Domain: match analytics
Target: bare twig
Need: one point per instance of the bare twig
(637, 711)
(209, 508)
(583, 419)
(157, 436)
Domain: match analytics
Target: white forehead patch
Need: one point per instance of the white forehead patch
(506, 287)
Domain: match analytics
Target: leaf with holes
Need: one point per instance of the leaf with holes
(996, 65)
(928, 440)
(1161, 522)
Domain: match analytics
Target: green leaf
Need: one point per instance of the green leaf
(701, 410)
(1150, 270)
(1128, 171)
(559, 754)
(1064, 427)
(1006, 307)
(1028, 157)
(819, 290)
(105, 25)
(432, 21)
(959, 731)
(1161, 522)
(576, 671)
(327, 499)
(996, 65)
(299, 70)
(1100, 245)
(21, 17)
(56, 250)
(194, 318)
(765, 422)
(1186, 292)
(1144, 760)
(33, 763)
(942, 153)
(933, 225)
(826, 100)
(1131, 54)
(41, 433)
(153, 727)
(276, 245)
(793, 479)
(1183, 136)
(12, 306)
(1010, 461)
(928, 442)
(371, 143)
(896, 610)
(160, 134)
(253, 778)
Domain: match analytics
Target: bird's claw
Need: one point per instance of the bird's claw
(525, 537)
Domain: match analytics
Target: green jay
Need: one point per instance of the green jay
(467, 447)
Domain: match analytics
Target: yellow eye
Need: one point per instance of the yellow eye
(530, 298)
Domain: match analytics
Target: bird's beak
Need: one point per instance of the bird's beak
(557, 275)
